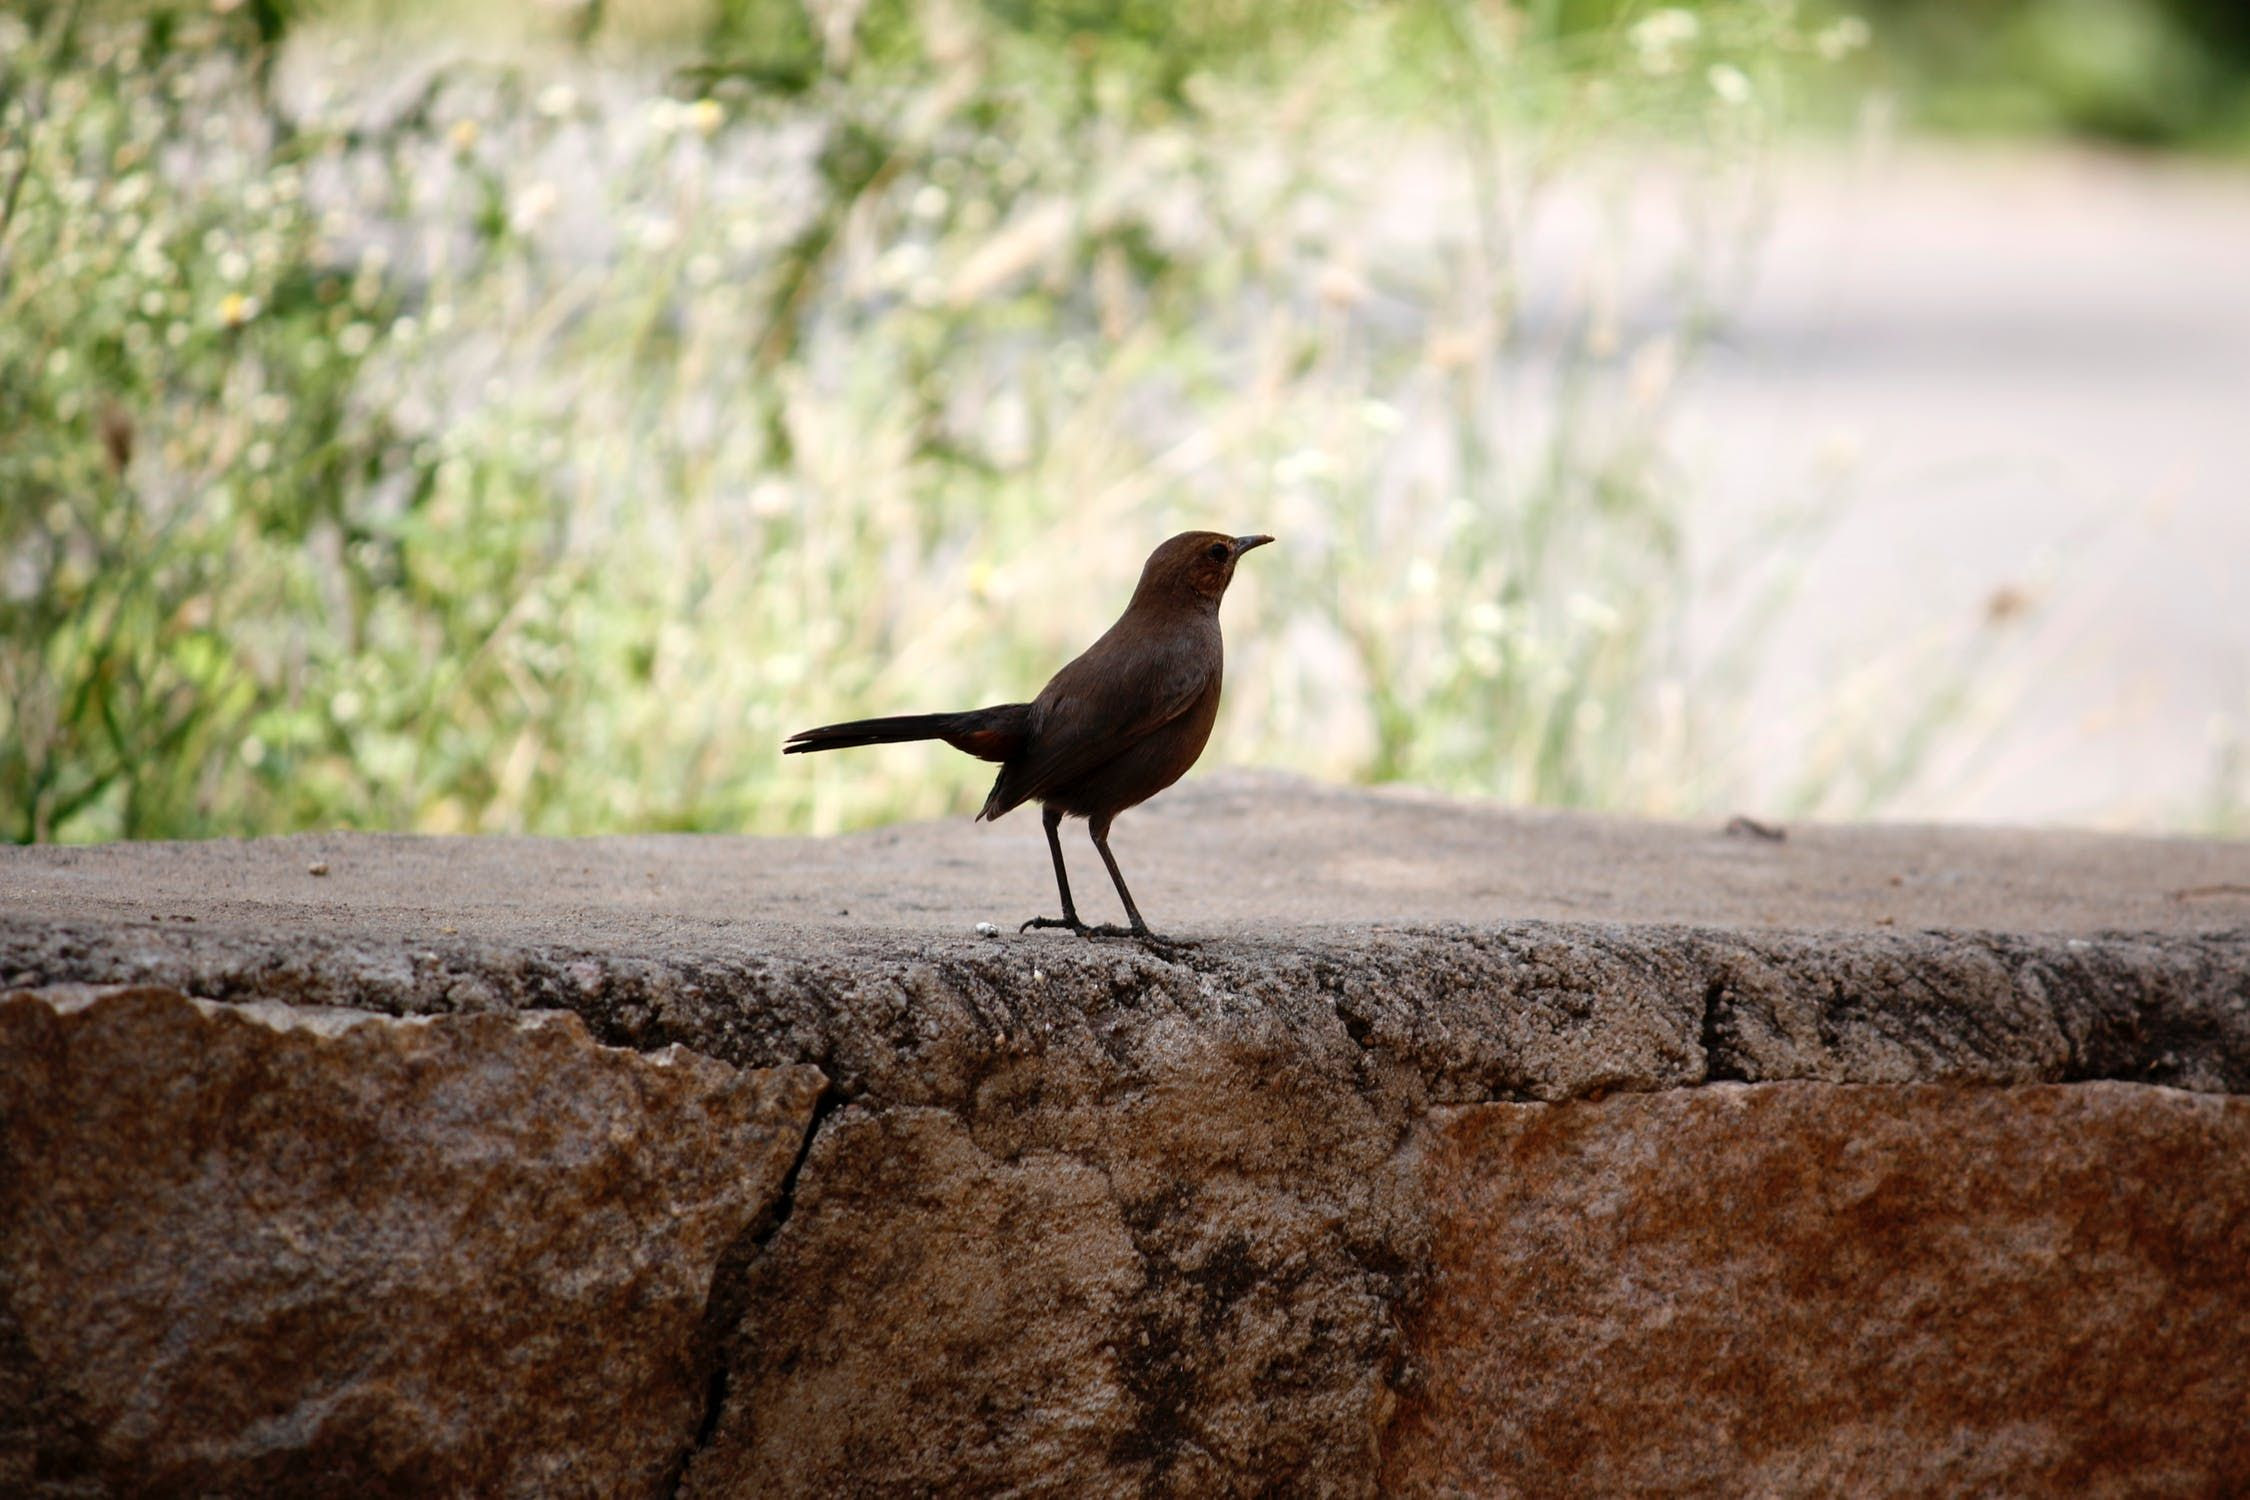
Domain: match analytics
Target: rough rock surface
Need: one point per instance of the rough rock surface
(263, 1249)
(1161, 1291)
(1798, 1289)
(1081, 1218)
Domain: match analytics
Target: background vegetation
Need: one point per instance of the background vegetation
(398, 440)
(2142, 72)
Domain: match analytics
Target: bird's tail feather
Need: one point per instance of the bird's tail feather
(987, 733)
(871, 732)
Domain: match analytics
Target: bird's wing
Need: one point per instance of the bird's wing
(1096, 707)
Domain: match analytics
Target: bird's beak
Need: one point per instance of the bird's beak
(1243, 544)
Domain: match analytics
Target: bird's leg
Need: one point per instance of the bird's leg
(1099, 828)
(1051, 818)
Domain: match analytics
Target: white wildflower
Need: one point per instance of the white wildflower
(1840, 40)
(1592, 613)
(1340, 286)
(532, 206)
(1661, 36)
(902, 264)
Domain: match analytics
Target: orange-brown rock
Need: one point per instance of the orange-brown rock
(267, 1249)
(1805, 1289)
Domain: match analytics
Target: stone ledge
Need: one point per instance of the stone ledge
(1223, 857)
(1078, 1217)
(1515, 1011)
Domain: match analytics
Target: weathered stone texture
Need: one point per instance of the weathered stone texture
(1409, 1165)
(1157, 1280)
(268, 1249)
(1804, 1289)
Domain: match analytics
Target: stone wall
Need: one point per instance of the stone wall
(537, 1193)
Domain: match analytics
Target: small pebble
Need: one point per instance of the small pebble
(986, 929)
(317, 867)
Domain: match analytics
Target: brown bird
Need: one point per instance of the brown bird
(1111, 730)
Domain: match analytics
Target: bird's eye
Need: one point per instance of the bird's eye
(1217, 552)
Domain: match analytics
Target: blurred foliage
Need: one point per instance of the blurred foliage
(404, 442)
(2226, 807)
(394, 440)
(177, 376)
(2152, 72)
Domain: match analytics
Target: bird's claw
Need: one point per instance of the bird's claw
(1154, 941)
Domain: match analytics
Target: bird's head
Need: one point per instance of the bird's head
(1199, 563)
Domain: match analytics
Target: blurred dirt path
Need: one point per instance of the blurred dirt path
(2024, 378)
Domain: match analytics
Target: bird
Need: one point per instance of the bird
(1120, 723)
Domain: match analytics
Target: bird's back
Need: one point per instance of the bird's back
(1141, 769)
(1122, 721)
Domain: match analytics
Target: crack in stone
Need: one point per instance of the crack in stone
(1719, 1063)
(723, 1310)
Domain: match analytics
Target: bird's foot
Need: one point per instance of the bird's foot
(1155, 942)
